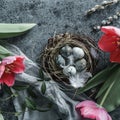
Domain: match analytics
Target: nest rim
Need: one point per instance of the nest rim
(53, 47)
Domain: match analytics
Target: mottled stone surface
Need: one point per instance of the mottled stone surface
(52, 16)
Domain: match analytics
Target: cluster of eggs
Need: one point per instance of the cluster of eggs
(71, 60)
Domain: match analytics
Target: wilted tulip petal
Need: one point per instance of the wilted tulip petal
(110, 42)
(87, 112)
(8, 79)
(110, 30)
(2, 69)
(9, 66)
(107, 43)
(89, 109)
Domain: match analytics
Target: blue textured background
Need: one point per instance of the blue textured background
(51, 16)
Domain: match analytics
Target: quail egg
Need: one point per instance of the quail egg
(78, 53)
(81, 64)
(60, 61)
(69, 71)
(66, 51)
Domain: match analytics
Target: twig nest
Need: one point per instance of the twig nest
(78, 53)
(81, 64)
(69, 71)
(68, 55)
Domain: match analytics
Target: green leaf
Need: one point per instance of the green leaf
(13, 30)
(107, 82)
(97, 79)
(47, 79)
(41, 74)
(30, 104)
(3, 56)
(7, 90)
(3, 50)
(32, 93)
(42, 110)
(18, 113)
(1, 117)
(20, 87)
(45, 108)
(110, 98)
(43, 88)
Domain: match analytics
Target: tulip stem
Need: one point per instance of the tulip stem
(13, 95)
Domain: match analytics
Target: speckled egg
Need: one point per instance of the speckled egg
(69, 71)
(81, 64)
(66, 51)
(78, 53)
(60, 61)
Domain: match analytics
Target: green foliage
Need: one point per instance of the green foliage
(43, 88)
(47, 79)
(41, 74)
(30, 104)
(18, 113)
(1, 117)
(4, 52)
(13, 30)
(109, 96)
(20, 87)
(98, 79)
(7, 90)
(32, 93)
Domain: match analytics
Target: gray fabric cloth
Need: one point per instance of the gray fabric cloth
(64, 105)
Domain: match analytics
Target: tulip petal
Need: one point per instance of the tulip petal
(1, 81)
(2, 69)
(19, 67)
(88, 112)
(111, 30)
(8, 79)
(102, 114)
(107, 43)
(85, 103)
(115, 56)
(109, 117)
(8, 60)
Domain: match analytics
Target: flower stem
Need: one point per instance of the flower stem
(11, 96)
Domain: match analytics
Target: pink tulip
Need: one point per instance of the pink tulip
(89, 109)
(10, 66)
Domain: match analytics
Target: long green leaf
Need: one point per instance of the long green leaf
(3, 50)
(97, 79)
(110, 98)
(30, 104)
(20, 87)
(108, 82)
(13, 30)
(1, 117)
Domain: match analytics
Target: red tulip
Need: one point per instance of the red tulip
(10, 66)
(110, 42)
(89, 109)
